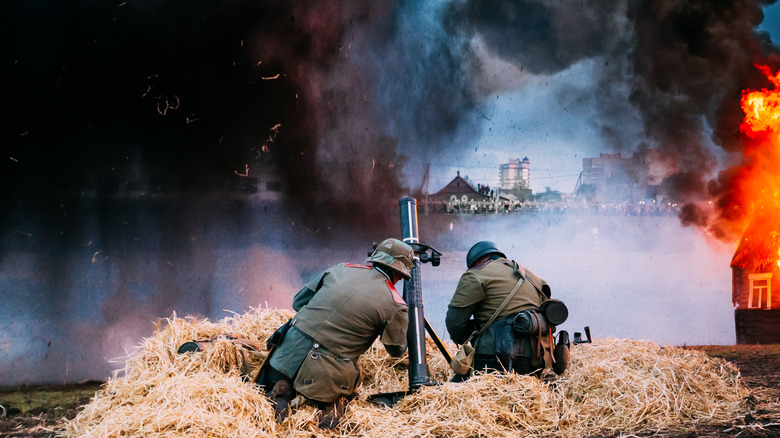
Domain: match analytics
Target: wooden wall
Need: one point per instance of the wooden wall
(740, 287)
(757, 326)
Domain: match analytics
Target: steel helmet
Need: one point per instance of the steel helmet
(395, 255)
(480, 249)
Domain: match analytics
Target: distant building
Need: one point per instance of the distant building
(639, 177)
(515, 174)
(459, 189)
(598, 171)
(459, 196)
(515, 179)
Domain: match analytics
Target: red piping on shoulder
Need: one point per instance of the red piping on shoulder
(354, 265)
(396, 296)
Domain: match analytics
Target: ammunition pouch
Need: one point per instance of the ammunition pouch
(324, 376)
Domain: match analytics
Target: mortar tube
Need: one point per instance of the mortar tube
(419, 374)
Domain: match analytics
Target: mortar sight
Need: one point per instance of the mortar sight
(434, 258)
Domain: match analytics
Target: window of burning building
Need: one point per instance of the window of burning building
(760, 295)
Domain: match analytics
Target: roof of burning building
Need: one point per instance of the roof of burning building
(759, 247)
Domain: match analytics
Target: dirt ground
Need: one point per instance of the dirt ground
(40, 411)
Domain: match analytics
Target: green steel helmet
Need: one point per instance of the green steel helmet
(480, 249)
(395, 255)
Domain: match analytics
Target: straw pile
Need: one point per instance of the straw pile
(612, 386)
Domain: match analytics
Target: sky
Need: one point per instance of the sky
(127, 124)
(354, 101)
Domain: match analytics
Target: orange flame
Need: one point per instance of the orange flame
(762, 109)
(758, 181)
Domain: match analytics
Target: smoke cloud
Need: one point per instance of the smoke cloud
(677, 66)
(130, 128)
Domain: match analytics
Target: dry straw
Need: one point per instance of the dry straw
(613, 386)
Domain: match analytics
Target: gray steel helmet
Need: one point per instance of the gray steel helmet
(480, 249)
(395, 255)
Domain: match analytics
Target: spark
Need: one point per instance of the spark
(246, 171)
(268, 78)
(168, 105)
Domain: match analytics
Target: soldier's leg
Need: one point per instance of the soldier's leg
(483, 363)
(522, 361)
(278, 388)
(489, 363)
(331, 413)
(457, 378)
(282, 395)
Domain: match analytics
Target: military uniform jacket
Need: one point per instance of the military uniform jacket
(344, 309)
(482, 289)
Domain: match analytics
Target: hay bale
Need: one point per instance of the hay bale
(612, 386)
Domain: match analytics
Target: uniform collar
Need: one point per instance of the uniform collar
(383, 273)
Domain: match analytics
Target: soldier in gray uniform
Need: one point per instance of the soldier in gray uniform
(481, 290)
(339, 315)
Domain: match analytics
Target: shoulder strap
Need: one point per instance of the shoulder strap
(520, 272)
(495, 314)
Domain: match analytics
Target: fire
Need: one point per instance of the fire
(757, 183)
(762, 109)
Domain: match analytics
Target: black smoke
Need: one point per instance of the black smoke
(678, 66)
(127, 131)
(128, 127)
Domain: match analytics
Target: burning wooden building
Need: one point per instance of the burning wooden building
(756, 284)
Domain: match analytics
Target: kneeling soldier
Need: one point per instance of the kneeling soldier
(339, 315)
(518, 303)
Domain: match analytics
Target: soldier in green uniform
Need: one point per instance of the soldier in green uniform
(339, 315)
(481, 289)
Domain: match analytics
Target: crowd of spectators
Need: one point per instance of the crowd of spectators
(573, 206)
